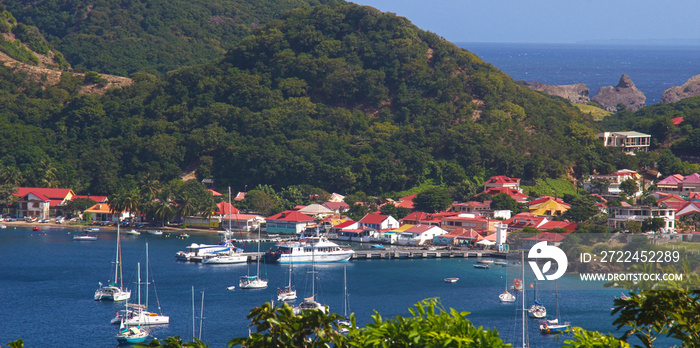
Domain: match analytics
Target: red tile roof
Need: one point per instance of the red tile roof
(224, 208)
(569, 226)
(345, 224)
(240, 196)
(214, 193)
(677, 120)
(674, 179)
(502, 179)
(418, 229)
(692, 178)
(55, 193)
(98, 199)
(290, 215)
(515, 194)
(374, 219)
(462, 233)
(336, 205)
(547, 198)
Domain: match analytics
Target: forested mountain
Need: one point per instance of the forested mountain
(337, 96)
(156, 36)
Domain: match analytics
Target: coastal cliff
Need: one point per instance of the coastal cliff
(625, 93)
(689, 89)
(576, 93)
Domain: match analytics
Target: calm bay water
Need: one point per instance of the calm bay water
(47, 282)
(653, 69)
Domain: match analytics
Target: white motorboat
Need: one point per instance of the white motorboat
(506, 297)
(196, 252)
(83, 237)
(224, 258)
(451, 280)
(111, 291)
(303, 250)
(155, 232)
(133, 232)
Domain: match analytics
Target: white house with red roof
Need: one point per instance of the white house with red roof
(522, 220)
(615, 179)
(419, 234)
(378, 222)
(40, 202)
(289, 222)
(467, 221)
(421, 218)
(337, 207)
(620, 216)
(629, 142)
(502, 181)
(670, 184)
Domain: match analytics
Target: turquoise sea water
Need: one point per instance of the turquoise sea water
(653, 69)
(47, 282)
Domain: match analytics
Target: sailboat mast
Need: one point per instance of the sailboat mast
(345, 290)
(201, 316)
(193, 328)
(118, 266)
(139, 282)
(526, 343)
(147, 279)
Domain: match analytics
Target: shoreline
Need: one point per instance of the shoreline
(78, 227)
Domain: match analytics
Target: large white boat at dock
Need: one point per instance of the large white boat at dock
(318, 249)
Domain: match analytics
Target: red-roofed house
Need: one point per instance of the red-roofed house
(225, 208)
(670, 184)
(214, 193)
(102, 212)
(550, 237)
(502, 181)
(566, 225)
(615, 179)
(469, 221)
(513, 193)
(471, 207)
(421, 218)
(238, 221)
(548, 206)
(674, 202)
(288, 222)
(337, 207)
(39, 202)
(457, 236)
(691, 183)
(346, 225)
(97, 199)
(419, 234)
(239, 196)
(522, 220)
(378, 222)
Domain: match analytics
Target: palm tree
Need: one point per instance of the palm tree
(149, 187)
(163, 211)
(48, 171)
(132, 203)
(11, 176)
(117, 204)
(185, 205)
(210, 210)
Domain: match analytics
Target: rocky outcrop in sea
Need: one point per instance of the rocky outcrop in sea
(576, 93)
(625, 93)
(689, 89)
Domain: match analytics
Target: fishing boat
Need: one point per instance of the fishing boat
(137, 314)
(554, 326)
(253, 281)
(451, 280)
(85, 236)
(132, 334)
(288, 293)
(36, 228)
(111, 291)
(305, 249)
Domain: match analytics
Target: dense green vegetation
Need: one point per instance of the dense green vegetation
(28, 40)
(123, 37)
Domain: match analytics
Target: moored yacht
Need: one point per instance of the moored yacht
(320, 249)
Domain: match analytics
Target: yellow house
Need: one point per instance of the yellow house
(548, 206)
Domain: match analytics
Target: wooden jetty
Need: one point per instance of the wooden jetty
(408, 253)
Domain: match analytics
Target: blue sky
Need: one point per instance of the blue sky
(549, 21)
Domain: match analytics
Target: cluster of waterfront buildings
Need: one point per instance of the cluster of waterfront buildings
(470, 223)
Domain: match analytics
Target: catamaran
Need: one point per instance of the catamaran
(111, 291)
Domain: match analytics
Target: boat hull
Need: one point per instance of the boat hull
(225, 259)
(553, 329)
(112, 293)
(316, 257)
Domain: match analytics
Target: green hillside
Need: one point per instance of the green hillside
(337, 96)
(122, 37)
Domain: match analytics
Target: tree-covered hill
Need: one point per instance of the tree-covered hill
(338, 96)
(156, 36)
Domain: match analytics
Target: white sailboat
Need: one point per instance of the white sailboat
(554, 326)
(288, 293)
(310, 303)
(506, 296)
(253, 282)
(111, 291)
(345, 324)
(537, 310)
(230, 254)
(139, 314)
(132, 333)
